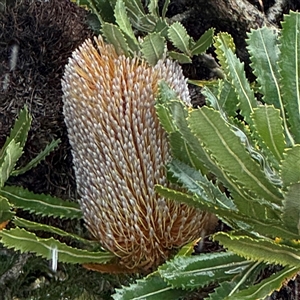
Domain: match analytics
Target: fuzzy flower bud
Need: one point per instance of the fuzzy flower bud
(119, 152)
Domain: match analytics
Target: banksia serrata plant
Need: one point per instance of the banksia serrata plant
(119, 153)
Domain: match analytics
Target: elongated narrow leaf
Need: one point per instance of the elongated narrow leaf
(123, 20)
(266, 286)
(198, 184)
(115, 37)
(138, 17)
(291, 209)
(235, 74)
(228, 153)
(269, 126)
(290, 71)
(165, 8)
(19, 131)
(152, 287)
(35, 161)
(153, 48)
(179, 37)
(40, 204)
(6, 212)
(290, 166)
(203, 43)
(243, 280)
(20, 222)
(13, 152)
(180, 57)
(190, 272)
(260, 249)
(24, 241)
(264, 52)
(153, 7)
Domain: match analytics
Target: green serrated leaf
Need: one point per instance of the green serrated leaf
(122, 19)
(165, 8)
(291, 209)
(6, 212)
(114, 36)
(269, 127)
(235, 74)
(229, 154)
(243, 280)
(203, 43)
(13, 152)
(180, 57)
(198, 184)
(289, 64)
(264, 51)
(153, 48)
(227, 40)
(266, 286)
(20, 222)
(153, 8)
(24, 241)
(35, 161)
(40, 204)
(263, 250)
(180, 38)
(290, 166)
(19, 131)
(138, 17)
(190, 272)
(153, 287)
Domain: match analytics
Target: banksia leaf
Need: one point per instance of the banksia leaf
(35, 161)
(263, 250)
(152, 287)
(268, 124)
(266, 286)
(190, 272)
(291, 209)
(119, 153)
(235, 74)
(179, 37)
(40, 204)
(290, 166)
(25, 241)
(264, 52)
(19, 131)
(30, 225)
(153, 48)
(203, 43)
(8, 159)
(122, 19)
(116, 38)
(6, 212)
(180, 57)
(289, 65)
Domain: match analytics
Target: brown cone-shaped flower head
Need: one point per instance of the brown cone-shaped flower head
(119, 154)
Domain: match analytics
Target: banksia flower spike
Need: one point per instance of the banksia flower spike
(119, 152)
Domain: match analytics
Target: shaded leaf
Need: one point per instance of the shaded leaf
(204, 42)
(35, 161)
(289, 65)
(190, 272)
(24, 241)
(40, 204)
(179, 37)
(269, 126)
(153, 287)
(153, 48)
(291, 209)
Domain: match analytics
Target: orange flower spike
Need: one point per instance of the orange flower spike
(120, 151)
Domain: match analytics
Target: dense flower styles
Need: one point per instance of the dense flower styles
(119, 153)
